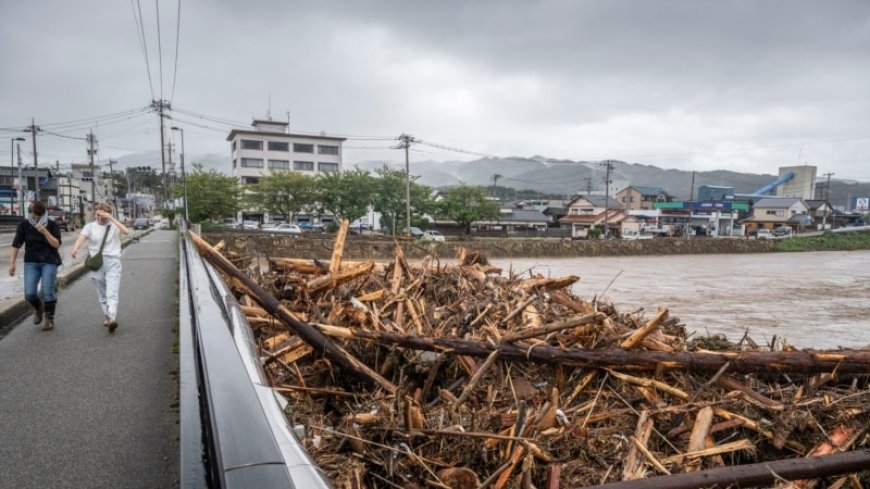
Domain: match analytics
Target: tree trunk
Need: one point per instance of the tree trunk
(741, 362)
(754, 475)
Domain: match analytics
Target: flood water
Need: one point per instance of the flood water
(814, 300)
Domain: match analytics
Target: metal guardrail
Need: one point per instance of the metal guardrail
(233, 430)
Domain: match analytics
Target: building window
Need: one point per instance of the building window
(278, 146)
(279, 164)
(303, 148)
(252, 163)
(303, 165)
(252, 144)
(775, 213)
(327, 150)
(250, 180)
(235, 162)
(327, 166)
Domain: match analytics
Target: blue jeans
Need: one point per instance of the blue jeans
(33, 273)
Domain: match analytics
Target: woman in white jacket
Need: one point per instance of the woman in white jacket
(108, 277)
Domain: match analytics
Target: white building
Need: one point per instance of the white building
(270, 147)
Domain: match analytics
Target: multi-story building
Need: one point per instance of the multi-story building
(271, 147)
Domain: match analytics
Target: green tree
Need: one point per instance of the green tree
(285, 193)
(347, 195)
(465, 205)
(389, 198)
(211, 194)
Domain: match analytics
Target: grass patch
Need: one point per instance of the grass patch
(826, 242)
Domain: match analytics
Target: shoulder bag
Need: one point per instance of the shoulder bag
(94, 263)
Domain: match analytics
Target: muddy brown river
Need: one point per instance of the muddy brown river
(814, 300)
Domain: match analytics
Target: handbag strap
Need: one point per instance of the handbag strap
(105, 235)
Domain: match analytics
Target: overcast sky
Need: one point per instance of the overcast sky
(695, 85)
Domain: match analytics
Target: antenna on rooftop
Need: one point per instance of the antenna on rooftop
(269, 107)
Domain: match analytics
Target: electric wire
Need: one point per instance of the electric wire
(86, 120)
(177, 34)
(143, 45)
(159, 46)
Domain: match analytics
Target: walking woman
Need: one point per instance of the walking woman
(41, 239)
(108, 277)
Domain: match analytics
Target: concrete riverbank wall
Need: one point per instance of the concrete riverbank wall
(357, 247)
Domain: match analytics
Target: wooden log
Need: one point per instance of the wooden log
(700, 430)
(754, 475)
(490, 360)
(733, 446)
(569, 323)
(338, 248)
(643, 332)
(321, 344)
(633, 468)
(547, 283)
(766, 402)
(797, 361)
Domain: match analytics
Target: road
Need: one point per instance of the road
(82, 408)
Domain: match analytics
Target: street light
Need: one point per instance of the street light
(183, 176)
(12, 174)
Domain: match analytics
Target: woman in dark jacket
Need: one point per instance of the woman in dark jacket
(41, 237)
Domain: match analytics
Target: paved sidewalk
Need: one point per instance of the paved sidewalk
(80, 408)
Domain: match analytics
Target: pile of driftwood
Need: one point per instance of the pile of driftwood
(460, 375)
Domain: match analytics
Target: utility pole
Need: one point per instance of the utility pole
(405, 144)
(691, 198)
(609, 165)
(495, 179)
(162, 105)
(588, 186)
(827, 202)
(112, 179)
(21, 181)
(91, 152)
(32, 128)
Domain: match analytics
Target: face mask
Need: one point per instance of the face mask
(41, 222)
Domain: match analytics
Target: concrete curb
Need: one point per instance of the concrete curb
(13, 311)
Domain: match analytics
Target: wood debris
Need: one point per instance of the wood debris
(456, 375)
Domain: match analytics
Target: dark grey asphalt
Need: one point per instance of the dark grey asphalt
(80, 408)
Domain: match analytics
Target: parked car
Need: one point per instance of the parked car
(250, 225)
(141, 223)
(432, 235)
(63, 219)
(286, 229)
(763, 234)
(229, 222)
(307, 226)
(413, 231)
(782, 232)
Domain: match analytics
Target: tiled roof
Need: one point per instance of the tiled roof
(649, 190)
(776, 203)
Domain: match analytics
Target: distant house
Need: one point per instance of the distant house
(586, 212)
(772, 213)
(641, 198)
(512, 219)
(820, 210)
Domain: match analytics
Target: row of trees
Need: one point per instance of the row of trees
(346, 195)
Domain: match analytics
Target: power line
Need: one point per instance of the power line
(143, 44)
(177, 33)
(159, 47)
(85, 121)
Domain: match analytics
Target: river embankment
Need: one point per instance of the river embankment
(365, 247)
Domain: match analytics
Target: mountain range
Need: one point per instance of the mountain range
(560, 177)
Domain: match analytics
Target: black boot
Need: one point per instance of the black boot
(39, 310)
(49, 315)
